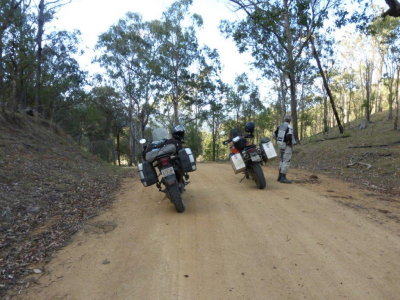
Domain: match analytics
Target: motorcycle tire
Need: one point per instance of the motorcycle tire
(258, 176)
(175, 196)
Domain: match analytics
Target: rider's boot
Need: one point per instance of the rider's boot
(279, 177)
(284, 179)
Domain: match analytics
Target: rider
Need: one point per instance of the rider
(285, 140)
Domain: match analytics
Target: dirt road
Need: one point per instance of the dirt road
(232, 242)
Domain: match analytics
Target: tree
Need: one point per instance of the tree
(12, 14)
(394, 8)
(179, 54)
(277, 33)
(109, 103)
(326, 85)
(130, 56)
(46, 11)
(385, 34)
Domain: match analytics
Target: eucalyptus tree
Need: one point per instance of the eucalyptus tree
(13, 16)
(19, 63)
(385, 33)
(179, 53)
(277, 33)
(205, 89)
(316, 55)
(62, 77)
(108, 102)
(130, 55)
(243, 98)
(216, 115)
(46, 11)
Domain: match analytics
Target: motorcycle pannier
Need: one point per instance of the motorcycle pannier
(268, 148)
(237, 163)
(187, 160)
(147, 173)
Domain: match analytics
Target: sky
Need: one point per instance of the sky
(93, 17)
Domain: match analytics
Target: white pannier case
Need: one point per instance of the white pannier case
(269, 149)
(237, 162)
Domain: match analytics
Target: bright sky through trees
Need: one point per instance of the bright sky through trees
(93, 17)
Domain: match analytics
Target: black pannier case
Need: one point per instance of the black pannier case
(147, 173)
(187, 160)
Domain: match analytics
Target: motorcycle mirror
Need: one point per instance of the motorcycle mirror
(142, 141)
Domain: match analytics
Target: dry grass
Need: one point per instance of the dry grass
(369, 157)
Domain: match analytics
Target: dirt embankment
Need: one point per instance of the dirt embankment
(368, 155)
(48, 187)
(299, 241)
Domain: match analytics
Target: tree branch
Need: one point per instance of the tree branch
(394, 8)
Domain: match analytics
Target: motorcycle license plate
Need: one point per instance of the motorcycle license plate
(167, 171)
(255, 157)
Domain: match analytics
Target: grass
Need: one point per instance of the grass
(349, 156)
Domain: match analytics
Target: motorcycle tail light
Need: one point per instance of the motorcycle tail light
(164, 161)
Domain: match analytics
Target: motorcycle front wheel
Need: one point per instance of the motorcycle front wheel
(175, 197)
(258, 176)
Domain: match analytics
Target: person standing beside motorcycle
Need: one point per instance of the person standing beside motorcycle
(285, 140)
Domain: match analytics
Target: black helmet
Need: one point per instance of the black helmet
(249, 127)
(178, 132)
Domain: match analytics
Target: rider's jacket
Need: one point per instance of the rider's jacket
(284, 135)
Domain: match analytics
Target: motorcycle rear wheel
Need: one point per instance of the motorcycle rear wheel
(258, 176)
(175, 196)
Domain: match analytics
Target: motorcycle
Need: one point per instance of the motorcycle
(173, 165)
(247, 158)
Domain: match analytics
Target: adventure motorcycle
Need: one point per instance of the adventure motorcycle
(247, 158)
(173, 165)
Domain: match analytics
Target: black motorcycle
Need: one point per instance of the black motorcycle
(246, 157)
(173, 165)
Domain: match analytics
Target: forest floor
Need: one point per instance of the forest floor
(367, 156)
(48, 188)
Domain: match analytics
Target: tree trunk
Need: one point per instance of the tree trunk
(39, 56)
(2, 94)
(213, 136)
(176, 112)
(396, 118)
(291, 70)
(131, 138)
(283, 89)
(349, 106)
(118, 148)
(391, 83)
(368, 87)
(328, 90)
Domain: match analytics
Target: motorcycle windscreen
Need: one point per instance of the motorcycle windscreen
(160, 134)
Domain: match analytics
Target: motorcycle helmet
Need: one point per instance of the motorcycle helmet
(288, 118)
(249, 127)
(178, 132)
